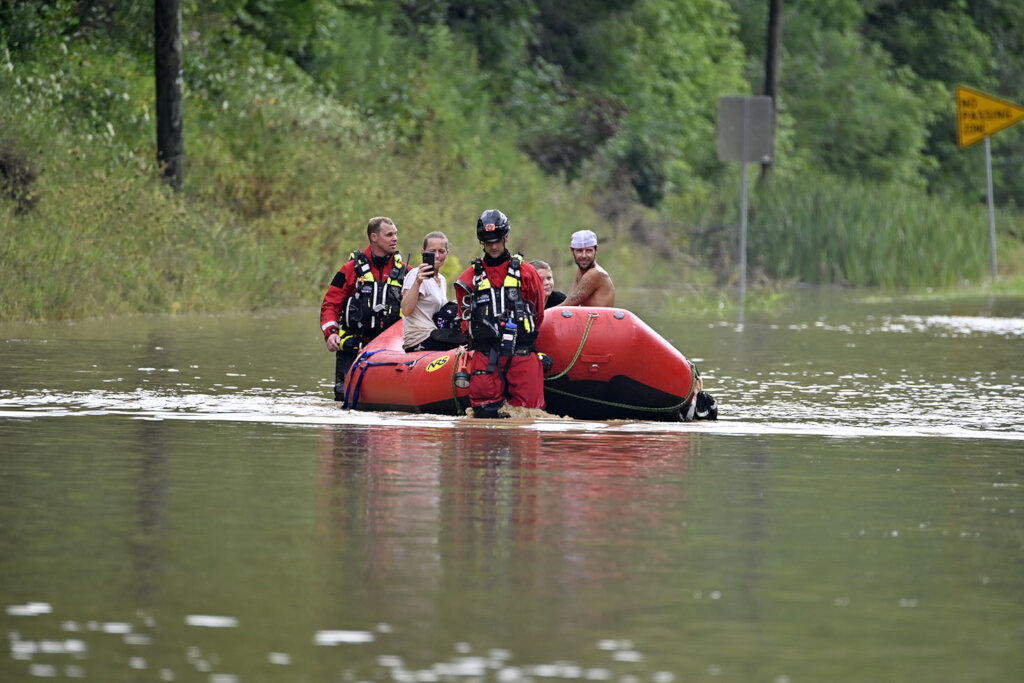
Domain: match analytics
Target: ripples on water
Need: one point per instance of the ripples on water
(753, 528)
(62, 650)
(794, 396)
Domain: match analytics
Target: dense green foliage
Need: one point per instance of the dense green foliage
(306, 117)
(867, 87)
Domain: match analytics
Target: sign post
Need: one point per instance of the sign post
(744, 135)
(978, 117)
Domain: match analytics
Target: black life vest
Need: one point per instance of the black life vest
(374, 305)
(490, 309)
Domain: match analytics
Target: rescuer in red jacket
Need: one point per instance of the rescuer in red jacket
(364, 298)
(502, 302)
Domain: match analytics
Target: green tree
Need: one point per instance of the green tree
(941, 43)
(850, 107)
(678, 60)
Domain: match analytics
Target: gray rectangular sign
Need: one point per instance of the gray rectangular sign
(745, 129)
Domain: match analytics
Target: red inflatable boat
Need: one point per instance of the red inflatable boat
(608, 364)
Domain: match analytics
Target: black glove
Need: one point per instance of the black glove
(707, 407)
(546, 362)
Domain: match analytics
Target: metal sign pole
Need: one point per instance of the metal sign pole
(744, 145)
(991, 210)
(743, 230)
(744, 136)
(980, 115)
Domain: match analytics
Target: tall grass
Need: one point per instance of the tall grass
(830, 230)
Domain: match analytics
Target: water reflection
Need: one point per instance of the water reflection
(380, 504)
(152, 500)
(408, 522)
(494, 508)
(504, 553)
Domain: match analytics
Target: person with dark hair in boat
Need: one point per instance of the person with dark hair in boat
(424, 295)
(502, 302)
(364, 298)
(593, 284)
(552, 297)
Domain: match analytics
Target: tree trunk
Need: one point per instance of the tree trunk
(170, 147)
(771, 71)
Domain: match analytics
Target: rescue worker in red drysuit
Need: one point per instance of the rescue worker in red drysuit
(501, 298)
(364, 298)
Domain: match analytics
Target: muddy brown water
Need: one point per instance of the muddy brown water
(180, 501)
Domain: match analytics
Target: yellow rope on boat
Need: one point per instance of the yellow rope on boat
(583, 340)
(591, 317)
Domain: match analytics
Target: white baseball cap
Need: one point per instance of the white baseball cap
(583, 238)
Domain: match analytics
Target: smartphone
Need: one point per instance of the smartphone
(428, 259)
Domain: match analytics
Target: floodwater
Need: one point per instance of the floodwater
(179, 501)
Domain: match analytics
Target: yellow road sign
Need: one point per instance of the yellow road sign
(979, 115)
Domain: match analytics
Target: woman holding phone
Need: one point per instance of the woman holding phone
(425, 291)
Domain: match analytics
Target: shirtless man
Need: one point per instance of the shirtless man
(593, 284)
